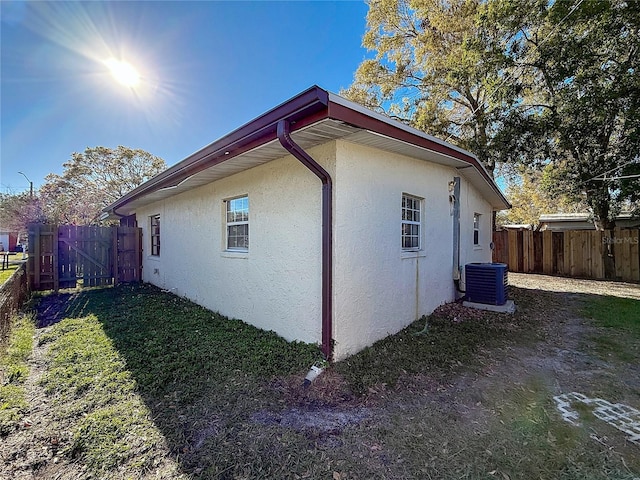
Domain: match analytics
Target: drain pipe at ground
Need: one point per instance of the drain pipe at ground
(284, 136)
(454, 197)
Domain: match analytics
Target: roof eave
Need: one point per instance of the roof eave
(361, 117)
(306, 108)
(301, 110)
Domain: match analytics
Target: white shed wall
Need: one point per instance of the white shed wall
(378, 288)
(277, 284)
(472, 202)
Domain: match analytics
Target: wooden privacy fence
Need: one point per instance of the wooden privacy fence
(62, 256)
(574, 253)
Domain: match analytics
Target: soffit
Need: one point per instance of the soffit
(316, 134)
(311, 136)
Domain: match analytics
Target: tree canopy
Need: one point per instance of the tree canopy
(551, 85)
(527, 190)
(578, 115)
(17, 211)
(92, 180)
(433, 69)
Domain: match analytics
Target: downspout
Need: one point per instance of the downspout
(327, 238)
(454, 197)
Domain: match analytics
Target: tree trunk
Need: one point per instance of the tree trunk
(600, 201)
(608, 260)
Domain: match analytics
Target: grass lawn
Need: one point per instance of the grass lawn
(621, 318)
(14, 371)
(142, 384)
(6, 273)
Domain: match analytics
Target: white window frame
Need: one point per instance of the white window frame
(154, 235)
(476, 229)
(411, 215)
(236, 218)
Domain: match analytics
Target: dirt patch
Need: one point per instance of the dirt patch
(574, 285)
(32, 452)
(476, 421)
(323, 420)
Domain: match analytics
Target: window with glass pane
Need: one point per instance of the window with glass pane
(476, 229)
(155, 235)
(238, 224)
(411, 222)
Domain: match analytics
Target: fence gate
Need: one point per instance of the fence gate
(68, 256)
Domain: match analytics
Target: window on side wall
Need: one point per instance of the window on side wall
(411, 222)
(476, 229)
(155, 235)
(237, 211)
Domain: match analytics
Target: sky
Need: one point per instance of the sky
(205, 69)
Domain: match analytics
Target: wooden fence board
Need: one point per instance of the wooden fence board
(547, 252)
(97, 255)
(635, 255)
(575, 253)
(513, 251)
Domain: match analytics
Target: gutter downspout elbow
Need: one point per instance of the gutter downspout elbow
(284, 136)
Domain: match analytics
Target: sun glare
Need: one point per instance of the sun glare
(123, 72)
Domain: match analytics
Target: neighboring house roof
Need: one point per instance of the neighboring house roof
(516, 226)
(583, 220)
(316, 117)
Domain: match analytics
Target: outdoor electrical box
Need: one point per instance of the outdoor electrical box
(486, 283)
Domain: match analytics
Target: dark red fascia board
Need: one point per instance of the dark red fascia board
(302, 110)
(306, 108)
(362, 120)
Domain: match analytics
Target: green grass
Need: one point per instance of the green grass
(5, 274)
(14, 369)
(144, 384)
(447, 347)
(620, 317)
(615, 312)
(127, 360)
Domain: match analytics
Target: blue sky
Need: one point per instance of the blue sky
(206, 69)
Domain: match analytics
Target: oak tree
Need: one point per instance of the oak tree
(92, 180)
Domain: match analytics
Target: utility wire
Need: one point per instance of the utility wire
(597, 177)
(616, 178)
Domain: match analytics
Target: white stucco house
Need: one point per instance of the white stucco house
(321, 220)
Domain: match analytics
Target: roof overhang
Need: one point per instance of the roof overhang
(316, 117)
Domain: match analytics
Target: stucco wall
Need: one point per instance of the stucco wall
(472, 202)
(379, 289)
(277, 284)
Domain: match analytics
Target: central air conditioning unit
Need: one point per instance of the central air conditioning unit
(486, 283)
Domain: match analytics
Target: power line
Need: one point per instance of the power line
(617, 178)
(613, 170)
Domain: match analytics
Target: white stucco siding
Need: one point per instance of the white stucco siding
(277, 284)
(379, 289)
(472, 202)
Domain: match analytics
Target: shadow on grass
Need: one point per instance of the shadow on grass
(204, 378)
(199, 373)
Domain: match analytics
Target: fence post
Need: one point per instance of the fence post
(547, 252)
(114, 234)
(38, 258)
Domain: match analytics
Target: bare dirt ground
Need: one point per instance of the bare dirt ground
(561, 360)
(567, 357)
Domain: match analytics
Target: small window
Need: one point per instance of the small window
(411, 222)
(476, 229)
(155, 235)
(238, 224)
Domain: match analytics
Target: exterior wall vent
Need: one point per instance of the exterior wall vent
(486, 283)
